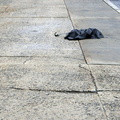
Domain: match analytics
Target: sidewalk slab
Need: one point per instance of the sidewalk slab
(35, 37)
(34, 9)
(52, 11)
(101, 51)
(90, 8)
(111, 103)
(108, 26)
(107, 77)
(46, 76)
(63, 59)
(97, 51)
(31, 2)
(35, 105)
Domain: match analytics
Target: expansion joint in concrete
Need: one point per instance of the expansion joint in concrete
(74, 28)
(69, 14)
(83, 52)
(59, 91)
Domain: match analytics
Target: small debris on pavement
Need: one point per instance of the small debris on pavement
(56, 34)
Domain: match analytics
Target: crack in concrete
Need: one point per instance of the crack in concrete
(93, 80)
(68, 14)
(102, 107)
(83, 52)
(108, 91)
(17, 88)
(63, 91)
(27, 60)
(74, 28)
(112, 64)
(60, 91)
(84, 67)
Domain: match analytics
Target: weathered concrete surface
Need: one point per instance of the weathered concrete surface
(106, 50)
(35, 37)
(33, 8)
(25, 3)
(43, 60)
(107, 77)
(47, 76)
(86, 8)
(111, 103)
(24, 105)
(58, 11)
(84, 15)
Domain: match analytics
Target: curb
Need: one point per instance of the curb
(112, 5)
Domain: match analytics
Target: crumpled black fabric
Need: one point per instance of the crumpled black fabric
(90, 33)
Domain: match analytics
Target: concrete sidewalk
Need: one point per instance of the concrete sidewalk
(43, 77)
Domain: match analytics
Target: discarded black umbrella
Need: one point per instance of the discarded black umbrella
(90, 33)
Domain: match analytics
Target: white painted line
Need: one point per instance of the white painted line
(112, 5)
